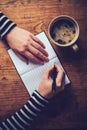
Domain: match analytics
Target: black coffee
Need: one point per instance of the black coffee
(63, 31)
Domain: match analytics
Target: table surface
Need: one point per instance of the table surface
(69, 108)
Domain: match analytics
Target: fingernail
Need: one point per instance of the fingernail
(46, 54)
(27, 62)
(47, 59)
(42, 63)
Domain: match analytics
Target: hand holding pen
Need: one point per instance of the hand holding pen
(54, 75)
(49, 83)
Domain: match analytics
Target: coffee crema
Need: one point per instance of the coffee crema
(63, 32)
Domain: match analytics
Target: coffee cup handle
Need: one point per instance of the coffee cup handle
(75, 47)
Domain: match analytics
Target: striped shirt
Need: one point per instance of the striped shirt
(24, 117)
(6, 25)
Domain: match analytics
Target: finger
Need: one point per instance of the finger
(29, 55)
(36, 52)
(38, 41)
(40, 48)
(60, 75)
(22, 57)
(58, 67)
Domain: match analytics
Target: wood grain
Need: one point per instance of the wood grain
(69, 108)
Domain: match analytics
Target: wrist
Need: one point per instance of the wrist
(8, 36)
(42, 95)
(40, 98)
(45, 94)
(8, 31)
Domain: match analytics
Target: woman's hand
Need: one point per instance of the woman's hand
(26, 45)
(45, 87)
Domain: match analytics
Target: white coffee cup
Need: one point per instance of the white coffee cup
(64, 32)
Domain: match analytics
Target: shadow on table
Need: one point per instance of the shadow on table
(60, 102)
(69, 55)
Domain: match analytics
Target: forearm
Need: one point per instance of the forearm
(23, 118)
(6, 25)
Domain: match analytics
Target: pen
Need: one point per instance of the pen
(54, 74)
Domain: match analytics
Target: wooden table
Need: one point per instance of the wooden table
(69, 108)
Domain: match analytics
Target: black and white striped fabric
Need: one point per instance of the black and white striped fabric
(5, 25)
(22, 119)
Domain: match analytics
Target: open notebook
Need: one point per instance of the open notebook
(32, 73)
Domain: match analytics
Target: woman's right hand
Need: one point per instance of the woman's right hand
(45, 87)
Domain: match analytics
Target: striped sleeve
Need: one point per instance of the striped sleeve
(6, 25)
(23, 119)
